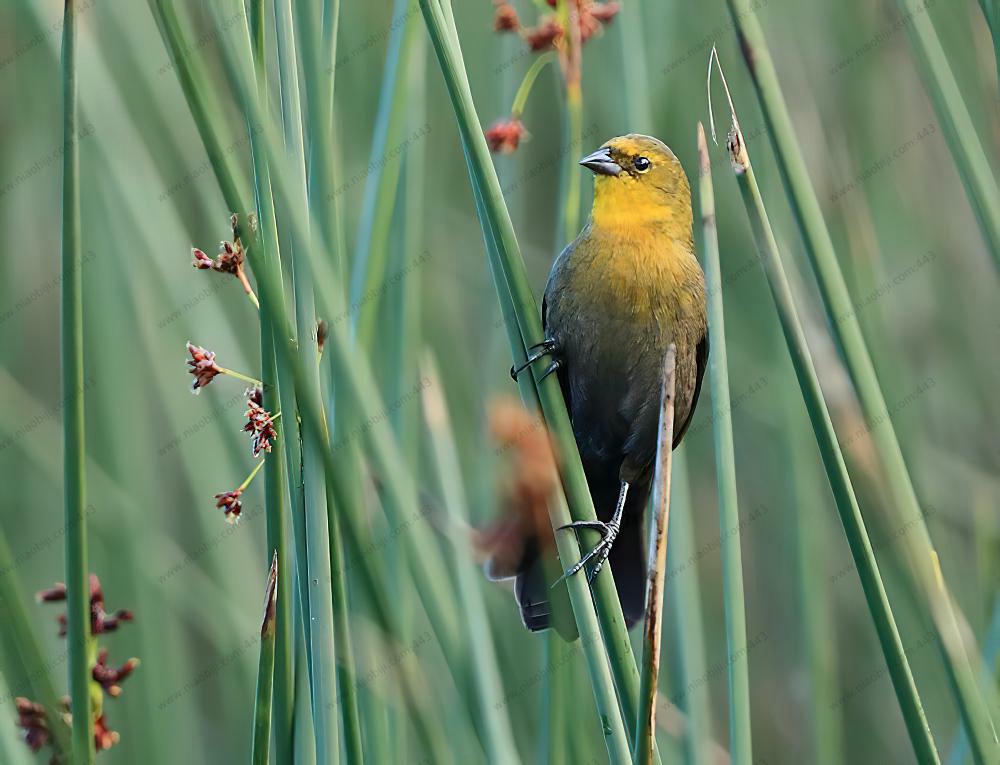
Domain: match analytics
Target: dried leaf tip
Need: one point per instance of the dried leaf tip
(270, 598)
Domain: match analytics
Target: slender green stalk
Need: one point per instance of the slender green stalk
(265, 669)
(725, 466)
(645, 730)
(556, 699)
(78, 638)
(840, 308)
(683, 596)
(524, 89)
(321, 637)
(510, 265)
(833, 459)
(960, 748)
(810, 552)
(634, 74)
(974, 166)
(572, 61)
(282, 711)
(316, 36)
(18, 625)
(488, 685)
(371, 252)
(991, 10)
(348, 693)
(358, 389)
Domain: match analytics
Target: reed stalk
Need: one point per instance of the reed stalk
(844, 321)
(833, 459)
(486, 682)
(20, 628)
(974, 167)
(524, 329)
(740, 745)
(82, 651)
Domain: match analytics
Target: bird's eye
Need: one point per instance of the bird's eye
(642, 164)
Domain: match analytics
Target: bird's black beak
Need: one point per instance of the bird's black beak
(601, 162)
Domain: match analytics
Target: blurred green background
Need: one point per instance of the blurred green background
(924, 284)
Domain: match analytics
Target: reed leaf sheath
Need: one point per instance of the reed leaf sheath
(265, 670)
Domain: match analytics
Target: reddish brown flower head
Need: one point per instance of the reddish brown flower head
(100, 620)
(104, 737)
(505, 18)
(260, 424)
(31, 718)
(202, 366)
(545, 35)
(604, 12)
(230, 260)
(230, 501)
(53, 594)
(504, 136)
(201, 260)
(254, 394)
(110, 678)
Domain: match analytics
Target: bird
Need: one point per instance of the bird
(626, 288)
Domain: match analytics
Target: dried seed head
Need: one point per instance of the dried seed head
(202, 366)
(53, 594)
(110, 678)
(260, 424)
(104, 737)
(505, 136)
(31, 718)
(505, 18)
(603, 12)
(230, 260)
(201, 260)
(545, 35)
(531, 478)
(230, 502)
(255, 394)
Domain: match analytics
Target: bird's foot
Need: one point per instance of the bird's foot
(600, 552)
(536, 352)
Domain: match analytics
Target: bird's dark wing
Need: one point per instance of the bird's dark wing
(562, 372)
(701, 359)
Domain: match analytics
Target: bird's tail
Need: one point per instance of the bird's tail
(544, 606)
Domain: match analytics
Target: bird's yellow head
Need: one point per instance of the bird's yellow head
(638, 180)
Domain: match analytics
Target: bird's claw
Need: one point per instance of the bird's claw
(600, 551)
(536, 352)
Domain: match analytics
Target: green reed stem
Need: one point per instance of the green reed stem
(19, 625)
(371, 252)
(833, 460)
(683, 594)
(844, 321)
(523, 318)
(740, 744)
(321, 646)
(500, 746)
(974, 167)
(78, 638)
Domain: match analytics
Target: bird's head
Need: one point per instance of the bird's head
(637, 179)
